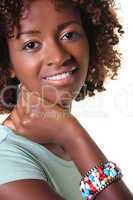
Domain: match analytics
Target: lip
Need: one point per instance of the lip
(65, 81)
(60, 72)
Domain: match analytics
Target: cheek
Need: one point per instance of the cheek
(81, 53)
(84, 54)
(21, 62)
(22, 68)
(23, 65)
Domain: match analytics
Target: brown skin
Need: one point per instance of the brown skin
(50, 46)
(29, 67)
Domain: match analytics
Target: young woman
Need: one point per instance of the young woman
(51, 53)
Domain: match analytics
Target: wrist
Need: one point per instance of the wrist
(68, 134)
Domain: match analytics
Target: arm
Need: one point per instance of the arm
(28, 190)
(75, 140)
(80, 143)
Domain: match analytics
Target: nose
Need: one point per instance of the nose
(56, 54)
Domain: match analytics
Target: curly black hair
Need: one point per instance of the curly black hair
(102, 28)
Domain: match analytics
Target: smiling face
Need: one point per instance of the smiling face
(51, 41)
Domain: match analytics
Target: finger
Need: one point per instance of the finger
(23, 87)
(21, 90)
(32, 101)
(34, 96)
(15, 119)
(18, 125)
(20, 111)
(23, 101)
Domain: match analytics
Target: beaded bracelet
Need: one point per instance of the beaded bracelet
(98, 178)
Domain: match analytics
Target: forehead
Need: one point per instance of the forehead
(44, 12)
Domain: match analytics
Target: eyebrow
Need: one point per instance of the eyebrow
(64, 25)
(59, 29)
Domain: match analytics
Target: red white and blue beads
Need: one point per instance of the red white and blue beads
(98, 178)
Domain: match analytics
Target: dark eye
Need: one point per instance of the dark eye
(71, 36)
(32, 45)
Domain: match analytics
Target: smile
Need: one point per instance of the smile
(63, 78)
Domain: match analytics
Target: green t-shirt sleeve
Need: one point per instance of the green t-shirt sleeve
(17, 164)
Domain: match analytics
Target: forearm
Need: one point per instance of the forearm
(83, 150)
(86, 154)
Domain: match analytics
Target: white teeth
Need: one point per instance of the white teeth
(60, 76)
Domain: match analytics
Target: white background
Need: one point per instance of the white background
(108, 117)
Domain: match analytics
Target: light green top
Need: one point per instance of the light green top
(21, 158)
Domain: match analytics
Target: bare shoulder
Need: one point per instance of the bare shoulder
(28, 189)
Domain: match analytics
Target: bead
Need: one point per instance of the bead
(98, 178)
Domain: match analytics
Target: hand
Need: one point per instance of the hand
(39, 119)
